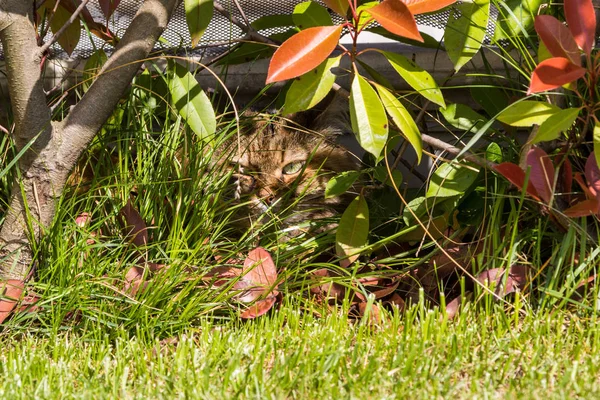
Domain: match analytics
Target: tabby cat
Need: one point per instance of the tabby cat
(280, 168)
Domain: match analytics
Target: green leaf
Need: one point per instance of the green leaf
(70, 37)
(416, 77)
(340, 183)
(191, 101)
(463, 117)
(309, 89)
(597, 142)
(493, 153)
(381, 174)
(377, 77)
(367, 116)
(451, 179)
(527, 113)
(402, 118)
(353, 231)
(516, 18)
(364, 17)
(493, 100)
(198, 14)
(273, 21)
(465, 31)
(309, 14)
(551, 128)
(92, 67)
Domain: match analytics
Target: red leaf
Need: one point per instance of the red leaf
(108, 7)
(83, 219)
(259, 308)
(396, 17)
(425, 6)
(259, 276)
(592, 174)
(303, 52)
(11, 292)
(133, 225)
(516, 279)
(542, 173)
(583, 209)
(516, 176)
(557, 38)
(581, 18)
(588, 193)
(552, 73)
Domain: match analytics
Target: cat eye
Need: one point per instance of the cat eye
(293, 168)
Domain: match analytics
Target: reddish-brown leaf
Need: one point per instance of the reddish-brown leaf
(303, 52)
(583, 209)
(558, 39)
(592, 174)
(579, 179)
(396, 17)
(372, 312)
(565, 181)
(581, 18)
(516, 176)
(339, 6)
(328, 289)
(542, 173)
(453, 307)
(258, 308)
(552, 73)
(108, 7)
(425, 6)
(10, 291)
(134, 280)
(96, 28)
(83, 219)
(396, 301)
(259, 276)
(134, 227)
(516, 279)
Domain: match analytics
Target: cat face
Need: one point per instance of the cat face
(280, 170)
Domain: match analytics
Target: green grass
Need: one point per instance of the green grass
(298, 354)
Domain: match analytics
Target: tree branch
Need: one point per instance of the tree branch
(96, 106)
(63, 28)
(247, 29)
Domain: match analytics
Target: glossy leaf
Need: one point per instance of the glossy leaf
(272, 21)
(309, 89)
(416, 77)
(556, 124)
(581, 18)
(425, 6)
(198, 14)
(541, 173)
(515, 175)
(395, 16)
(493, 153)
(463, 117)
(527, 113)
(191, 101)
(516, 18)
(451, 179)
(364, 18)
(340, 183)
(367, 116)
(376, 75)
(402, 118)
(339, 6)
(464, 34)
(303, 52)
(557, 38)
(353, 231)
(108, 7)
(70, 37)
(310, 14)
(552, 73)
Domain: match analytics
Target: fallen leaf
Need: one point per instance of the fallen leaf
(134, 227)
(515, 280)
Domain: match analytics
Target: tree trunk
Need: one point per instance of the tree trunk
(56, 146)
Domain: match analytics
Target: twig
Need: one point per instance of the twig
(241, 10)
(247, 29)
(54, 38)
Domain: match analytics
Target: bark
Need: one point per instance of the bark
(44, 168)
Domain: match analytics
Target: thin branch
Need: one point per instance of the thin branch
(241, 10)
(247, 29)
(62, 30)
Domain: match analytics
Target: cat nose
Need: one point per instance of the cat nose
(267, 196)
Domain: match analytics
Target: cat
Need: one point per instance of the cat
(280, 167)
